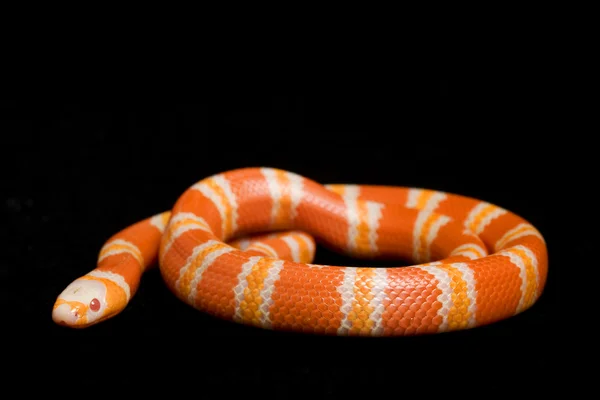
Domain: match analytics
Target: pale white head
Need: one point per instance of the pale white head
(84, 302)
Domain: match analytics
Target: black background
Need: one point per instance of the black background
(75, 173)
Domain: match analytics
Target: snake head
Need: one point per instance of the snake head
(85, 302)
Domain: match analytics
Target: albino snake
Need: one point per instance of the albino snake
(239, 246)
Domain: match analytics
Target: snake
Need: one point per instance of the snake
(240, 246)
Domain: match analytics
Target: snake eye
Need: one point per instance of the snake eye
(95, 304)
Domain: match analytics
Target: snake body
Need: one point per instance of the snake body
(239, 245)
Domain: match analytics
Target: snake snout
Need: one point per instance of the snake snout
(64, 314)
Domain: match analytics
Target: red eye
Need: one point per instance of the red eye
(94, 305)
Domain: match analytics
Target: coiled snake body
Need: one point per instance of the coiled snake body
(239, 246)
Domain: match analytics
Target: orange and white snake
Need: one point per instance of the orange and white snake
(239, 246)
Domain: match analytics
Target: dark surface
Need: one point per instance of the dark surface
(76, 174)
